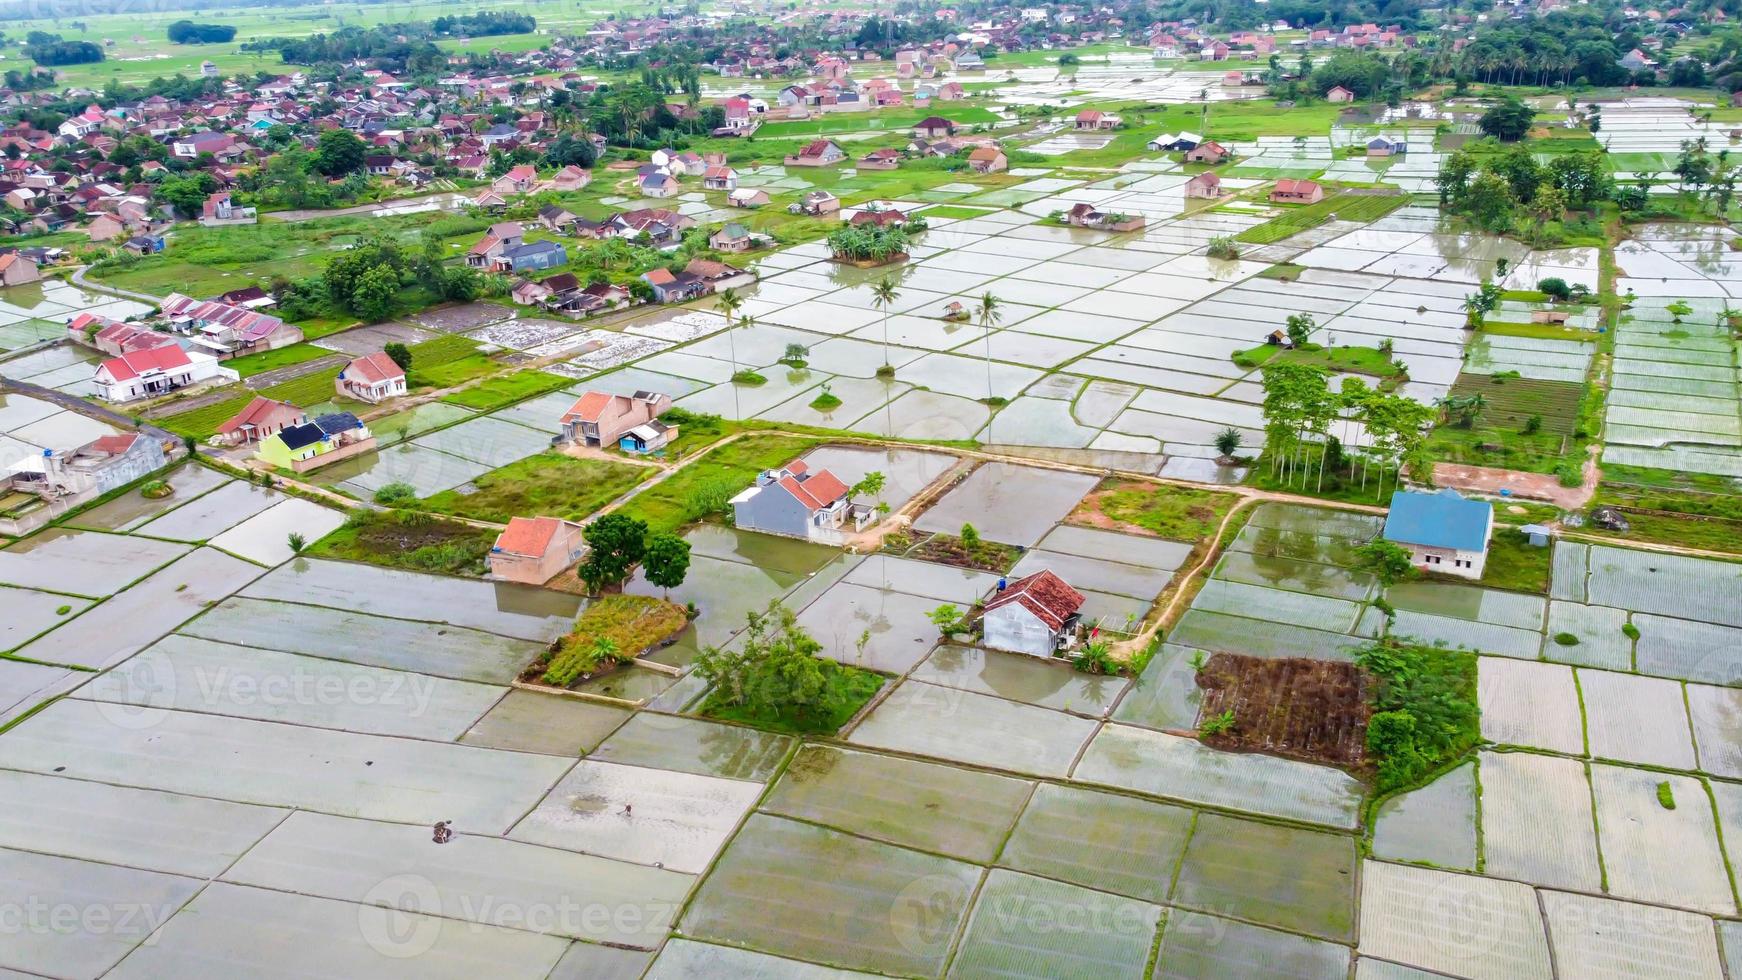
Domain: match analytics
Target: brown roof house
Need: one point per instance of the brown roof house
(819, 153)
(261, 418)
(1205, 185)
(1036, 615)
(799, 502)
(534, 550)
(602, 419)
(1085, 216)
(16, 270)
(1289, 191)
(987, 160)
(934, 127)
(372, 378)
(1208, 151)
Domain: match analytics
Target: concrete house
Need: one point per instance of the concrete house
(1205, 186)
(1036, 615)
(530, 255)
(372, 378)
(16, 270)
(534, 550)
(311, 445)
(1444, 532)
(261, 418)
(987, 160)
(818, 153)
(1209, 151)
(798, 502)
(1290, 191)
(602, 419)
(1385, 146)
(934, 127)
(818, 203)
(1339, 94)
(747, 197)
(648, 437)
(157, 371)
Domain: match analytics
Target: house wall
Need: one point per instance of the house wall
(566, 548)
(144, 458)
(773, 511)
(1017, 630)
(1448, 561)
(321, 459)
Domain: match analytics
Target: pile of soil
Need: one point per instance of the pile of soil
(1295, 707)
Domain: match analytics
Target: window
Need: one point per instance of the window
(1433, 559)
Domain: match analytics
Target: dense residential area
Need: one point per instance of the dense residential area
(1151, 490)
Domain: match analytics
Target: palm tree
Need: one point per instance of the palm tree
(729, 304)
(990, 314)
(883, 296)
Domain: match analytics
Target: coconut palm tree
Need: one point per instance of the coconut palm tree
(883, 296)
(989, 316)
(729, 304)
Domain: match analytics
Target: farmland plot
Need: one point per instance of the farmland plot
(1299, 880)
(1655, 854)
(1435, 824)
(1019, 929)
(1529, 704)
(1536, 821)
(797, 890)
(1459, 925)
(1099, 840)
(1598, 629)
(1603, 937)
(1195, 945)
(1636, 719)
(1295, 707)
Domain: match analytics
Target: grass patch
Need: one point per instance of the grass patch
(1370, 361)
(846, 689)
(202, 422)
(1497, 437)
(407, 539)
(954, 211)
(547, 485)
(613, 629)
(948, 549)
(271, 360)
(1175, 512)
(505, 390)
(310, 389)
(1538, 331)
(447, 361)
(1686, 530)
(827, 401)
(749, 379)
(1424, 710)
(702, 488)
(1345, 207)
(1516, 565)
(1665, 795)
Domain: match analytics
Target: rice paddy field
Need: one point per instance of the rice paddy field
(257, 741)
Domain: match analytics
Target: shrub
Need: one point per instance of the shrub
(1665, 795)
(395, 494)
(1425, 714)
(1566, 639)
(1556, 287)
(1096, 658)
(1221, 724)
(1630, 631)
(1223, 247)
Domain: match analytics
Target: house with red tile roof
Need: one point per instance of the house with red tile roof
(534, 550)
(799, 502)
(818, 153)
(154, 371)
(1036, 615)
(372, 378)
(601, 419)
(261, 418)
(1290, 191)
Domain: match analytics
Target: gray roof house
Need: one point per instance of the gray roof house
(799, 502)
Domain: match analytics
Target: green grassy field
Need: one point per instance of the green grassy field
(498, 392)
(549, 484)
(889, 119)
(706, 484)
(251, 364)
(1344, 207)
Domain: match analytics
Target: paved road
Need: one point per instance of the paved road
(78, 278)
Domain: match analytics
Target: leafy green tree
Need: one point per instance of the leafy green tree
(774, 672)
(615, 543)
(1509, 119)
(1387, 561)
(399, 354)
(187, 193)
(666, 560)
(948, 619)
(338, 152)
(1300, 328)
(376, 293)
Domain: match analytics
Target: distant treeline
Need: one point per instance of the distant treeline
(409, 46)
(188, 32)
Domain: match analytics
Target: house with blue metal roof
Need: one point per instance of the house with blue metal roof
(1444, 532)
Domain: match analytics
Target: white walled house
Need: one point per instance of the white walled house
(1445, 533)
(1035, 615)
(155, 371)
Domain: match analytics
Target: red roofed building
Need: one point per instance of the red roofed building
(799, 502)
(261, 418)
(372, 378)
(534, 550)
(1289, 191)
(1035, 615)
(154, 371)
(819, 153)
(601, 419)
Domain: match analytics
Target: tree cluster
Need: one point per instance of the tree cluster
(484, 23)
(1301, 413)
(52, 50)
(1496, 191)
(188, 32)
(868, 243)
